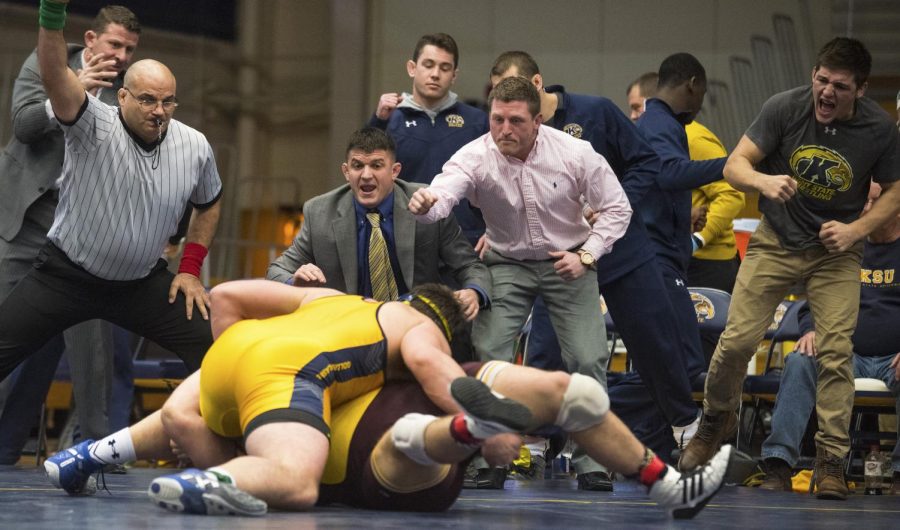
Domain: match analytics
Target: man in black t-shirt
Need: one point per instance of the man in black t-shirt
(810, 154)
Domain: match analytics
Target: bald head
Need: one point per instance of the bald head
(149, 71)
(147, 82)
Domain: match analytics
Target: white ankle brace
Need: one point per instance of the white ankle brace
(408, 435)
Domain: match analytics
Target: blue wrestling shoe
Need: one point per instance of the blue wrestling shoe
(73, 469)
(201, 492)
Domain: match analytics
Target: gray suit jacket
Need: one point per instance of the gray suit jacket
(33, 159)
(328, 240)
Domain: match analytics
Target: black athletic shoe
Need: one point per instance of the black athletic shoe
(595, 481)
(491, 478)
(493, 415)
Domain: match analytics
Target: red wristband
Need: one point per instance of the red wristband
(192, 259)
(652, 471)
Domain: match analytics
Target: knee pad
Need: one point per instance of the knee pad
(584, 404)
(408, 435)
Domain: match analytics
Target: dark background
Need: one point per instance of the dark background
(210, 18)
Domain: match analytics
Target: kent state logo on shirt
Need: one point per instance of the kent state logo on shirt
(821, 172)
(573, 129)
(876, 277)
(455, 120)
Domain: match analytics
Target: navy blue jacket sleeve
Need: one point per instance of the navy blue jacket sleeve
(377, 122)
(678, 171)
(805, 320)
(627, 149)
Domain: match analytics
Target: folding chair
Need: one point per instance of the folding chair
(871, 398)
(711, 306)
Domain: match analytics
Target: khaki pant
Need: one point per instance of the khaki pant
(832, 288)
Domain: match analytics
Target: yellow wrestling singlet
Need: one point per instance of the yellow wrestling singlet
(293, 367)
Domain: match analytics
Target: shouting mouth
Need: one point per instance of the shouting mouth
(826, 108)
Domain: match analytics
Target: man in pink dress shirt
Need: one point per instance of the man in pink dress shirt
(532, 184)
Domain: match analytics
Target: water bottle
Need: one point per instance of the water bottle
(873, 471)
(888, 469)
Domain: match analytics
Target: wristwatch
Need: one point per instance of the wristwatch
(587, 259)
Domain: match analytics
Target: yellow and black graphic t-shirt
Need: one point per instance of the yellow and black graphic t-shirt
(832, 164)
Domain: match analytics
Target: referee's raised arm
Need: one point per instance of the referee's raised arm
(63, 88)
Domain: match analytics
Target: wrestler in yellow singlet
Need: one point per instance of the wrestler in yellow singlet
(294, 367)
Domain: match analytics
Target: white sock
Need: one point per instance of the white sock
(117, 448)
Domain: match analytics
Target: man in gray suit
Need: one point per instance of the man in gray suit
(30, 167)
(332, 248)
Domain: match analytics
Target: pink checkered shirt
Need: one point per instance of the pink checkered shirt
(534, 207)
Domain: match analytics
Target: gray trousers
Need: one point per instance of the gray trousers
(574, 309)
(88, 346)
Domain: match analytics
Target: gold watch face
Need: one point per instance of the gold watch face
(587, 258)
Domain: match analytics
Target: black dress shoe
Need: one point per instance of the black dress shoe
(595, 481)
(491, 478)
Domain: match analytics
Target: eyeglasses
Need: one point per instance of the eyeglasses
(147, 103)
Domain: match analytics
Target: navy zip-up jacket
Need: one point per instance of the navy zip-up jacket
(424, 146)
(667, 207)
(600, 122)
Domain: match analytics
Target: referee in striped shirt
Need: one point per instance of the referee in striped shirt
(127, 178)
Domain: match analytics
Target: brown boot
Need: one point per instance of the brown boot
(830, 483)
(713, 430)
(778, 475)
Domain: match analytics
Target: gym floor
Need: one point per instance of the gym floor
(28, 501)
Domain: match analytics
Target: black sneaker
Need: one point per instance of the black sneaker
(489, 478)
(533, 471)
(595, 481)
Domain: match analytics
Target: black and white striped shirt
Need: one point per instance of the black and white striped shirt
(116, 211)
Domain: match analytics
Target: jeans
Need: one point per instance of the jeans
(796, 400)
